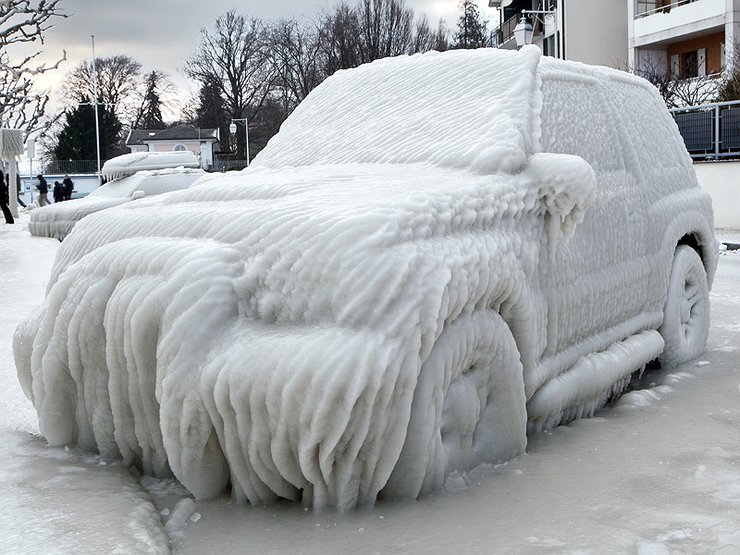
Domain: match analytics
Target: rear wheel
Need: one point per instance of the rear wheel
(686, 314)
(468, 407)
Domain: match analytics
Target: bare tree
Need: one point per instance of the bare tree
(296, 57)
(119, 81)
(387, 29)
(235, 55)
(678, 92)
(375, 29)
(339, 34)
(426, 38)
(729, 85)
(23, 22)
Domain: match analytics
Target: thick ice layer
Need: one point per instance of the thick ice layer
(275, 339)
(128, 164)
(362, 314)
(57, 220)
(474, 110)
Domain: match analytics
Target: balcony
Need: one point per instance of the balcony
(665, 20)
(644, 8)
(503, 35)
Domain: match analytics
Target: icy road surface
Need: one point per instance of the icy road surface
(658, 473)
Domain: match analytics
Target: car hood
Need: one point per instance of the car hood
(309, 240)
(57, 220)
(76, 209)
(324, 287)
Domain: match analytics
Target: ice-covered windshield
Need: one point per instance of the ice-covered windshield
(462, 109)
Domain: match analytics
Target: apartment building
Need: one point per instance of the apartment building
(682, 39)
(589, 31)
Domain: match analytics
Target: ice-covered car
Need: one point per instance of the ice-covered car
(133, 176)
(433, 252)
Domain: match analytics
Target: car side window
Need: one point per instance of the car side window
(155, 185)
(662, 147)
(576, 120)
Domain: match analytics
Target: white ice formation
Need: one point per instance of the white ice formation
(433, 251)
(57, 220)
(128, 164)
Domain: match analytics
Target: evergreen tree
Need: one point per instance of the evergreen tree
(472, 29)
(211, 106)
(76, 140)
(211, 111)
(150, 112)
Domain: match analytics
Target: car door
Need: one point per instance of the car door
(593, 282)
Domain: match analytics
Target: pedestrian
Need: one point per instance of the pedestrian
(5, 199)
(43, 188)
(18, 187)
(69, 187)
(58, 192)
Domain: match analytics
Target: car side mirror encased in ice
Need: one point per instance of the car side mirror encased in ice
(566, 188)
(138, 194)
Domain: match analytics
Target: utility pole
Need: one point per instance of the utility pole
(95, 103)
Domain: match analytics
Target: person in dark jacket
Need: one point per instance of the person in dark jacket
(18, 188)
(58, 192)
(5, 199)
(69, 187)
(43, 188)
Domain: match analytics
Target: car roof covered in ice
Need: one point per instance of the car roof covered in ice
(482, 115)
(129, 164)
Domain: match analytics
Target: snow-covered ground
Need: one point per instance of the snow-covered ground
(657, 473)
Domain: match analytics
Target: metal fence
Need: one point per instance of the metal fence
(226, 165)
(710, 130)
(69, 166)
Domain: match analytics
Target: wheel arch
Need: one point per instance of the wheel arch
(694, 230)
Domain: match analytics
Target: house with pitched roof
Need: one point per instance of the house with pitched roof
(201, 142)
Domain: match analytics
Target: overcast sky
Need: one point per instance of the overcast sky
(160, 34)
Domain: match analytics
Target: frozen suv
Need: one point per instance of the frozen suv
(435, 252)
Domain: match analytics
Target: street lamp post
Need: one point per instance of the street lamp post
(97, 126)
(95, 93)
(232, 130)
(523, 32)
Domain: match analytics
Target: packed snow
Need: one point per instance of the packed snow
(364, 315)
(57, 220)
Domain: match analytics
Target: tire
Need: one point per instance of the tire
(468, 408)
(685, 325)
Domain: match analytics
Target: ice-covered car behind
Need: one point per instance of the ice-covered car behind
(433, 252)
(132, 176)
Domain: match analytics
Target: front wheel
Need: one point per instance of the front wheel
(686, 314)
(468, 408)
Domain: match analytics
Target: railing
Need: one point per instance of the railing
(644, 8)
(711, 130)
(228, 164)
(505, 32)
(69, 166)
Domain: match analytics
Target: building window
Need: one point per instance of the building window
(689, 64)
(179, 147)
(550, 45)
